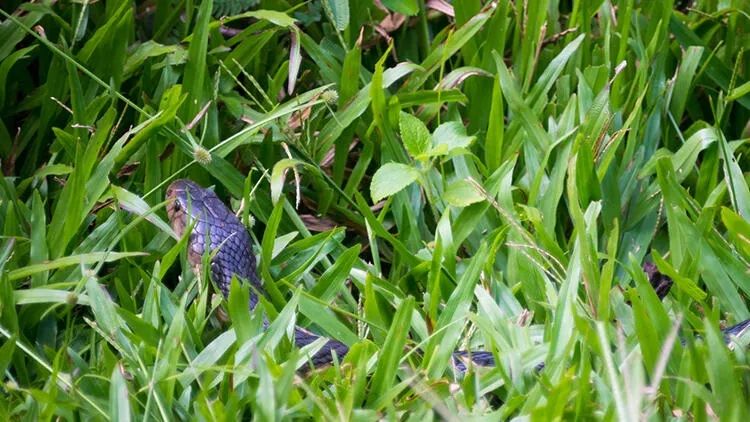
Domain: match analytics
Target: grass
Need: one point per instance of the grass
(492, 178)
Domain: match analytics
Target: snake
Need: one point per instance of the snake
(216, 230)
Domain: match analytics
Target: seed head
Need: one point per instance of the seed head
(201, 155)
(330, 96)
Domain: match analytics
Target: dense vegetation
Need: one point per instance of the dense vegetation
(420, 176)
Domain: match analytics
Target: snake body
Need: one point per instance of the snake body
(215, 227)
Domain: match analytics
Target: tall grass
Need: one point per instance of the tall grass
(419, 177)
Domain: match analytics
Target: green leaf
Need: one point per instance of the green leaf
(449, 137)
(273, 16)
(267, 243)
(208, 357)
(390, 179)
(461, 193)
(720, 371)
(136, 205)
(39, 252)
(538, 137)
(404, 7)
(278, 176)
(119, 403)
(714, 68)
(340, 12)
(6, 353)
(448, 328)
(284, 324)
(40, 295)
(684, 283)
(66, 261)
(358, 105)
(333, 279)
(684, 80)
(739, 192)
(414, 134)
(239, 298)
(7, 64)
(738, 229)
(224, 8)
(349, 82)
(493, 145)
(739, 91)
(145, 51)
(103, 308)
(171, 100)
(438, 55)
(12, 34)
(429, 97)
(392, 351)
(324, 318)
(194, 81)
(165, 369)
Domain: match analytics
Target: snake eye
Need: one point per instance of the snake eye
(176, 206)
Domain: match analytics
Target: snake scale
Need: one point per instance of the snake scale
(215, 227)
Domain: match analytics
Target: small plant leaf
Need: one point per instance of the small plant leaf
(414, 134)
(390, 179)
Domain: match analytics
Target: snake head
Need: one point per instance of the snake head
(185, 202)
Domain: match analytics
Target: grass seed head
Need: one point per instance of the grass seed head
(201, 155)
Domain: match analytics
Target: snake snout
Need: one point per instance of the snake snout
(177, 194)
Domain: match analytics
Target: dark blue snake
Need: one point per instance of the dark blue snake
(215, 227)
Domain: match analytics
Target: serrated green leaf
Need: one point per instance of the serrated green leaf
(449, 137)
(414, 134)
(390, 179)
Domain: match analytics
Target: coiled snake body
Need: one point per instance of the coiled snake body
(217, 228)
